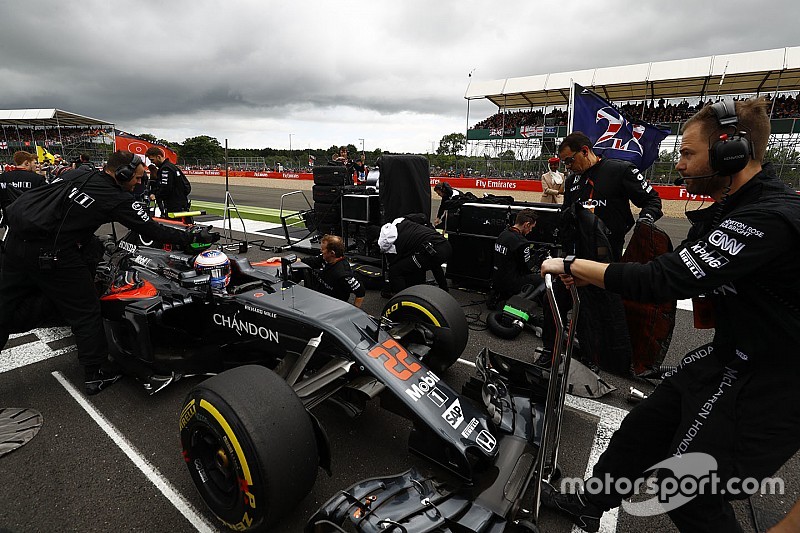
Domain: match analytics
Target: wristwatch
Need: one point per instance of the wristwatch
(568, 263)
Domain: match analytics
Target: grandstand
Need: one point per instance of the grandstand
(533, 110)
(56, 131)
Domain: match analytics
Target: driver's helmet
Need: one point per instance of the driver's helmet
(217, 265)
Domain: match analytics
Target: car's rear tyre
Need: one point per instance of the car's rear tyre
(440, 312)
(496, 323)
(249, 445)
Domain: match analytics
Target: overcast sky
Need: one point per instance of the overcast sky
(332, 72)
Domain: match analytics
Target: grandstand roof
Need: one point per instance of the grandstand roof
(749, 72)
(46, 117)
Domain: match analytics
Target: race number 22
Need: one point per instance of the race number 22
(395, 359)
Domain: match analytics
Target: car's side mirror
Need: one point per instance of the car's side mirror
(286, 263)
(189, 282)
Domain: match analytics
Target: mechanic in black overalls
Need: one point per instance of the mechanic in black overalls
(28, 266)
(446, 192)
(736, 399)
(513, 261)
(605, 187)
(331, 272)
(172, 193)
(412, 249)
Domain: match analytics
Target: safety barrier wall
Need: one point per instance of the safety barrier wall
(666, 192)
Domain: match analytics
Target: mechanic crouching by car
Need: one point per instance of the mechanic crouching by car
(331, 273)
(412, 249)
(732, 407)
(54, 263)
(513, 261)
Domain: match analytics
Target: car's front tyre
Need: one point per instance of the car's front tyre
(438, 311)
(249, 445)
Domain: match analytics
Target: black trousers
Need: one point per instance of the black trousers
(746, 417)
(602, 327)
(29, 295)
(411, 269)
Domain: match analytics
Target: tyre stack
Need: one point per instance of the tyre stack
(329, 181)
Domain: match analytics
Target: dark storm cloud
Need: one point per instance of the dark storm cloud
(150, 62)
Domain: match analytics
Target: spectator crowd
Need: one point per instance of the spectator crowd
(785, 106)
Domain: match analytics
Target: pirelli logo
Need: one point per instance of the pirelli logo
(691, 264)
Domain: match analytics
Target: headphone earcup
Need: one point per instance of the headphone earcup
(729, 156)
(730, 153)
(125, 173)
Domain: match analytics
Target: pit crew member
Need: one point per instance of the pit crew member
(412, 250)
(513, 261)
(55, 266)
(23, 178)
(331, 272)
(172, 193)
(735, 399)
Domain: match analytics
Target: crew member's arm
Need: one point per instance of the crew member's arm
(695, 267)
(440, 212)
(314, 262)
(528, 261)
(345, 284)
(358, 290)
(134, 216)
(642, 194)
(583, 271)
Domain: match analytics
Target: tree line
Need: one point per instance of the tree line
(208, 149)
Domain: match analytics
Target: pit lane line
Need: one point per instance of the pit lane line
(610, 419)
(150, 472)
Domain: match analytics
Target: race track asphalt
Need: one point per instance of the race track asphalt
(112, 462)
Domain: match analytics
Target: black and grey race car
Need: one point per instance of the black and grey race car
(250, 439)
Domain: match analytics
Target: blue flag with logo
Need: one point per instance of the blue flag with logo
(614, 136)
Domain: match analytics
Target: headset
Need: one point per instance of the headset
(730, 153)
(125, 173)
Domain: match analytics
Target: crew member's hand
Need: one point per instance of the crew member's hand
(437, 221)
(275, 259)
(555, 266)
(203, 235)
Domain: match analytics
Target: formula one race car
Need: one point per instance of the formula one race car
(249, 438)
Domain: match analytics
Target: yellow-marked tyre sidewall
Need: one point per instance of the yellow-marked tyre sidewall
(438, 310)
(264, 429)
(203, 413)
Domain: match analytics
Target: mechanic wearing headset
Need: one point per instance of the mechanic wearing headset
(331, 273)
(55, 266)
(736, 398)
(172, 191)
(513, 261)
(412, 250)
